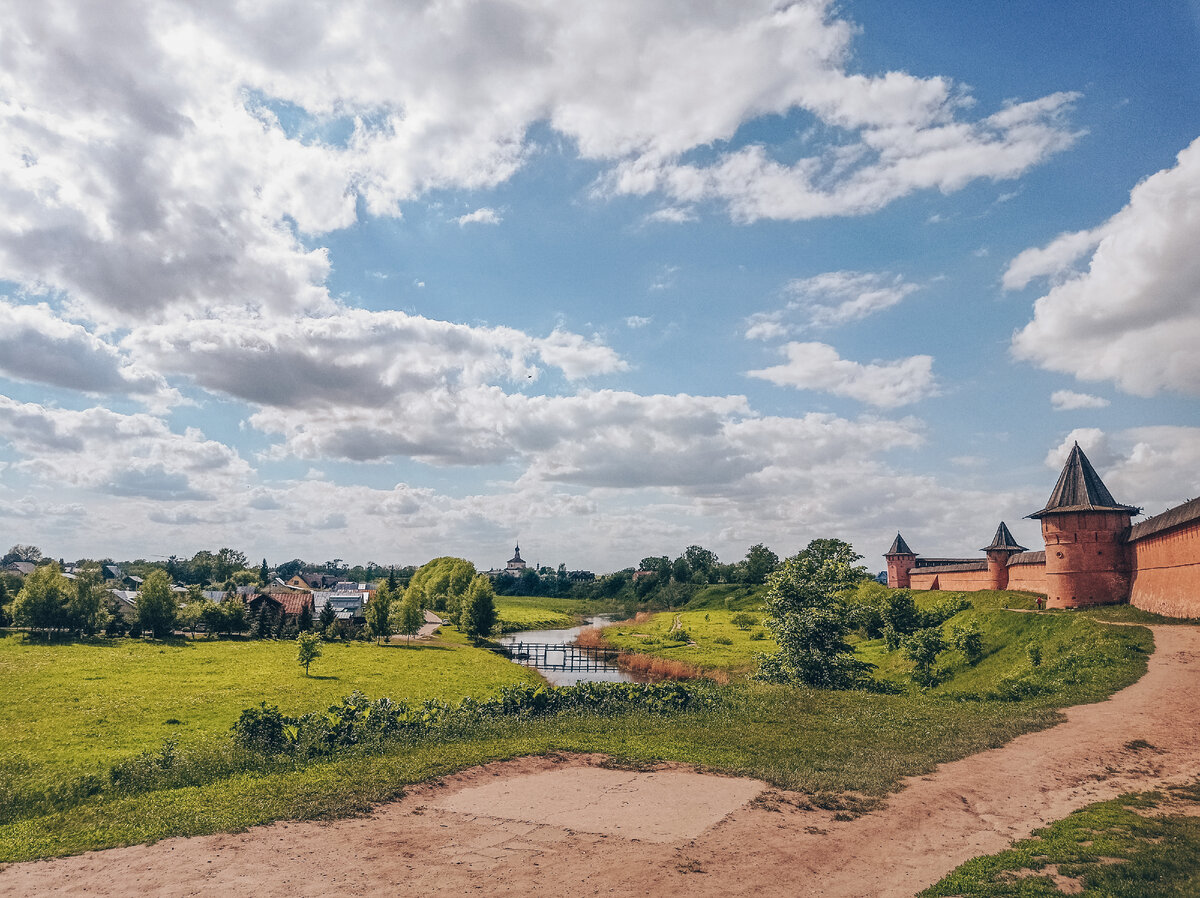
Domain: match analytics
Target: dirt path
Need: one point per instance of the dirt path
(567, 826)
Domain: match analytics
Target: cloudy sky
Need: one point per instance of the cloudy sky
(382, 281)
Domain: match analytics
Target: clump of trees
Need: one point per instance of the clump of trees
(441, 584)
(810, 619)
(50, 602)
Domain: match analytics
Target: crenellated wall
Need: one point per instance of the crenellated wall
(1166, 562)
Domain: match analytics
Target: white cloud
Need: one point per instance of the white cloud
(817, 366)
(484, 215)
(120, 455)
(673, 215)
(193, 156)
(1133, 318)
(829, 299)
(636, 321)
(38, 346)
(1069, 400)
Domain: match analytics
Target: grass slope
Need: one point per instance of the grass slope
(1137, 845)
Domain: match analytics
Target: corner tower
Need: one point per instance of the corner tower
(900, 560)
(1085, 529)
(1003, 547)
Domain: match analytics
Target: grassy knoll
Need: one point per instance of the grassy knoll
(71, 709)
(714, 642)
(538, 613)
(1133, 846)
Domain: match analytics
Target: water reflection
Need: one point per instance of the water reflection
(607, 673)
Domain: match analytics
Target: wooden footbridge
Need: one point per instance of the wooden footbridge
(557, 656)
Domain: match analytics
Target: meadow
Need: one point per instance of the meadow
(72, 710)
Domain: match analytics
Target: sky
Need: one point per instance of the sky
(382, 282)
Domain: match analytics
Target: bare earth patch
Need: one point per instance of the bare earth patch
(568, 826)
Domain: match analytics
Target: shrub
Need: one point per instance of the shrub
(1034, 652)
(722, 640)
(260, 729)
(743, 621)
(760, 633)
(679, 635)
(944, 610)
(968, 639)
(922, 648)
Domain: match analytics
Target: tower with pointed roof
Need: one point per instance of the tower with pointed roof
(1002, 548)
(1087, 553)
(900, 560)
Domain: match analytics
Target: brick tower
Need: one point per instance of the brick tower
(1003, 547)
(900, 560)
(1085, 529)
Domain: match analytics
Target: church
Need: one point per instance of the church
(1094, 554)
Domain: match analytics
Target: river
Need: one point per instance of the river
(608, 673)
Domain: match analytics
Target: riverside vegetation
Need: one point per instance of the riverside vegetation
(101, 754)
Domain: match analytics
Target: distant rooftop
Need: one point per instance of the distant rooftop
(1003, 540)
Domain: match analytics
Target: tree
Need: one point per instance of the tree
(922, 648)
(327, 617)
(85, 602)
(22, 553)
(809, 620)
(308, 649)
(478, 617)
(156, 606)
(700, 561)
(760, 563)
(233, 607)
(409, 618)
(263, 574)
(304, 619)
(442, 582)
(379, 612)
(42, 602)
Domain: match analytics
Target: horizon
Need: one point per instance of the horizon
(613, 281)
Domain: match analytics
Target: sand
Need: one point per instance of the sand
(569, 825)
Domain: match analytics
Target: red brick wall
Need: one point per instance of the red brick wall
(1166, 576)
(1027, 577)
(964, 581)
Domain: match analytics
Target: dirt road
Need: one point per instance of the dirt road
(567, 827)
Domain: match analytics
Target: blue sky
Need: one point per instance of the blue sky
(382, 284)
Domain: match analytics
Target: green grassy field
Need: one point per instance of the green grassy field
(1134, 846)
(704, 629)
(68, 710)
(536, 613)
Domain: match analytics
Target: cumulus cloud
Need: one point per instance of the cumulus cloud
(829, 299)
(38, 346)
(817, 366)
(359, 359)
(181, 155)
(1069, 400)
(1133, 318)
(484, 215)
(121, 455)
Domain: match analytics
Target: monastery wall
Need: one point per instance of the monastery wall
(1166, 562)
(1028, 576)
(954, 580)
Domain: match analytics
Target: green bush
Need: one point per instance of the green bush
(722, 640)
(743, 621)
(760, 633)
(968, 639)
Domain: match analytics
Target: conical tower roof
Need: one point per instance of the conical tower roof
(1080, 488)
(1004, 540)
(899, 547)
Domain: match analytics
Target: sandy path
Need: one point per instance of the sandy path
(565, 826)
